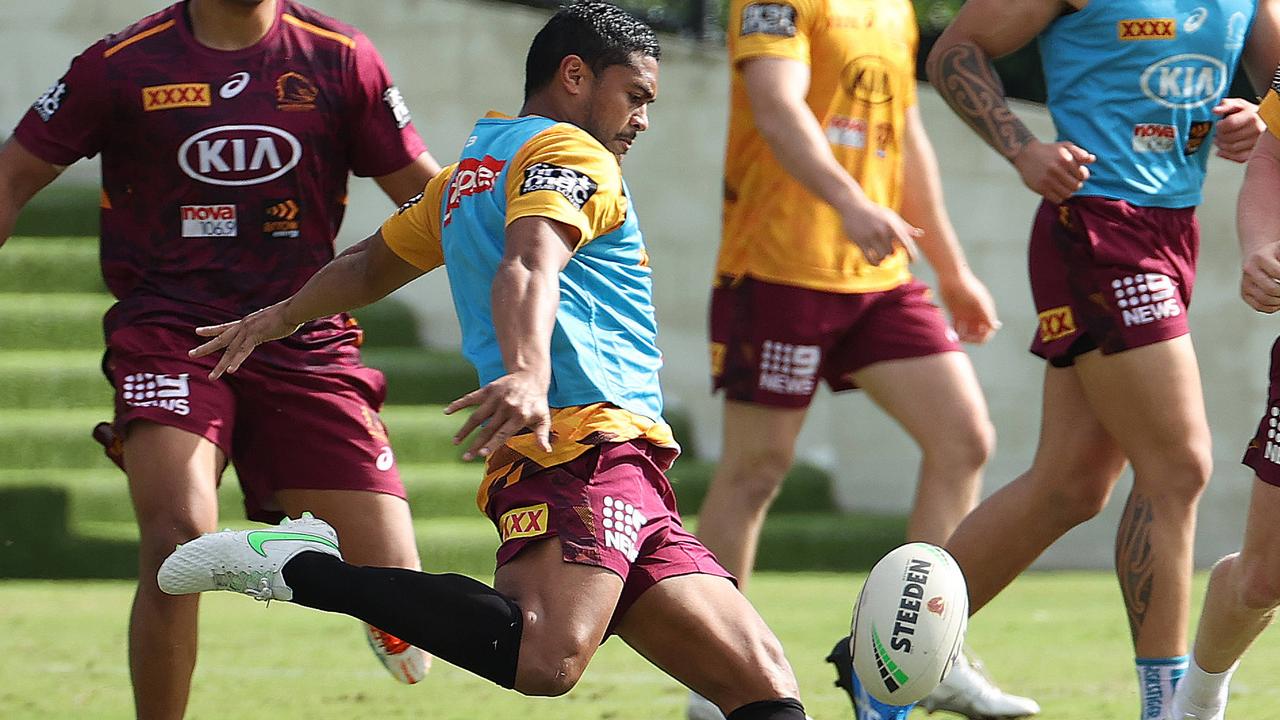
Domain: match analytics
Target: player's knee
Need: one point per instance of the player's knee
(965, 448)
(158, 536)
(757, 476)
(1259, 586)
(552, 669)
(549, 676)
(1072, 503)
(1177, 473)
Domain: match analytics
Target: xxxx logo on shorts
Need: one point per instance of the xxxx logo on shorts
(1057, 323)
(523, 522)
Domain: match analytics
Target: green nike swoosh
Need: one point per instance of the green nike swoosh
(258, 538)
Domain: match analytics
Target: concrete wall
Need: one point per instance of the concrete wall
(454, 59)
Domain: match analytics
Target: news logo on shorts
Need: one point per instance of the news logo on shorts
(168, 392)
(1272, 451)
(788, 369)
(1146, 298)
(622, 523)
(523, 522)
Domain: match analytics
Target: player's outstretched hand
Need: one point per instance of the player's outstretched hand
(1054, 170)
(878, 231)
(238, 339)
(973, 311)
(1260, 279)
(1239, 128)
(505, 406)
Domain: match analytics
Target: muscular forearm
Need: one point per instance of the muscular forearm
(923, 206)
(1257, 222)
(351, 280)
(525, 297)
(963, 74)
(801, 148)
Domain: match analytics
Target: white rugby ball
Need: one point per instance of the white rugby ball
(909, 623)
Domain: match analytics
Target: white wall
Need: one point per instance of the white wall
(454, 59)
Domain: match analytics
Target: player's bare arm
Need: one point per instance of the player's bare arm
(777, 88)
(526, 293)
(1239, 126)
(1259, 228)
(365, 273)
(960, 68)
(409, 180)
(973, 312)
(22, 175)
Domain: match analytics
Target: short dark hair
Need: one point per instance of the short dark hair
(600, 33)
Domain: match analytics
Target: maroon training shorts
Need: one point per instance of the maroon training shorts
(1110, 276)
(771, 343)
(1263, 453)
(287, 419)
(611, 507)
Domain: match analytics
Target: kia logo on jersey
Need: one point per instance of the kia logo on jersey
(239, 154)
(1185, 81)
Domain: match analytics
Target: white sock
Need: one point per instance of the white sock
(1205, 689)
(1157, 678)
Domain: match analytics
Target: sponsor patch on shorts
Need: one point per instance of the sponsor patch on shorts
(168, 392)
(1057, 323)
(523, 522)
(576, 187)
(778, 19)
(1146, 298)
(200, 221)
(788, 369)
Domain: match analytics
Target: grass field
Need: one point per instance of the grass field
(1058, 637)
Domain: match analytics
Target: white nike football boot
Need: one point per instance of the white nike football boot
(967, 691)
(245, 561)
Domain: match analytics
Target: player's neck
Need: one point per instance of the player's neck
(230, 24)
(544, 105)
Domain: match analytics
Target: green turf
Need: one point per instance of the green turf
(52, 321)
(64, 649)
(63, 208)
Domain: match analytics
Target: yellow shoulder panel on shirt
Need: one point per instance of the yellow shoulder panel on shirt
(1269, 111)
(413, 232)
(771, 28)
(564, 174)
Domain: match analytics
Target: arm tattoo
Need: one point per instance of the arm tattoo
(1135, 562)
(966, 79)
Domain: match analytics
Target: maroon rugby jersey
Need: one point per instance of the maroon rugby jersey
(224, 174)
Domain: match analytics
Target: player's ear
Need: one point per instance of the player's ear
(574, 75)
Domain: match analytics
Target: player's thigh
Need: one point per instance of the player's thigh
(173, 480)
(1260, 552)
(703, 632)
(373, 528)
(936, 399)
(567, 606)
(1077, 460)
(760, 436)
(1150, 400)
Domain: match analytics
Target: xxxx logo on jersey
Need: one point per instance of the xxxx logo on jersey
(180, 95)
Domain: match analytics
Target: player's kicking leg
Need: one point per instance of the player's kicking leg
(1243, 594)
(535, 632)
(173, 483)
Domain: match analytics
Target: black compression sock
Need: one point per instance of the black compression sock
(780, 709)
(453, 617)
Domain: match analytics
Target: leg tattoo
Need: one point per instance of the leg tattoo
(1135, 562)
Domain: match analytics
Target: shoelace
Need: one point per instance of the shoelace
(261, 592)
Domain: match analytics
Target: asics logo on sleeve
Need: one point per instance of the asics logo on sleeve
(258, 538)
